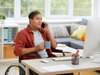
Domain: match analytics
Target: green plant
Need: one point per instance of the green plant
(2, 16)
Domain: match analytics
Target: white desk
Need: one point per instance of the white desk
(37, 66)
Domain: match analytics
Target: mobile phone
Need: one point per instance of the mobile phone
(43, 25)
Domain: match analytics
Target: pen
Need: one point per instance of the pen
(75, 57)
(76, 54)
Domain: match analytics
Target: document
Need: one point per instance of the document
(65, 48)
(59, 67)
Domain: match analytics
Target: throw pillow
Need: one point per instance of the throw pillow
(74, 27)
(59, 31)
(78, 32)
(83, 36)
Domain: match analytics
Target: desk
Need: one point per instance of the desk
(37, 66)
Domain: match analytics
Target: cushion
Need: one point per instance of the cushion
(83, 36)
(77, 44)
(74, 27)
(78, 33)
(59, 31)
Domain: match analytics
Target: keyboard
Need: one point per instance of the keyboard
(62, 58)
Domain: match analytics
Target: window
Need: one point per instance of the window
(48, 8)
(71, 8)
(82, 8)
(29, 5)
(7, 7)
(59, 7)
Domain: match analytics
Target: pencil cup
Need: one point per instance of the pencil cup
(47, 44)
(75, 59)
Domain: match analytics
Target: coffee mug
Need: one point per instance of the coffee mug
(47, 44)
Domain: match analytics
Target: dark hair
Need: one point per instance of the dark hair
(33, 13)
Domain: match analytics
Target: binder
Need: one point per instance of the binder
(9, 33)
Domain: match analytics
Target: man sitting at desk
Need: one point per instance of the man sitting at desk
(29, 42)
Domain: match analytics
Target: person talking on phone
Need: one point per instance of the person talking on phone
(29, 42)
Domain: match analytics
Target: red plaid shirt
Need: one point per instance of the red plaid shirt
(25, 39)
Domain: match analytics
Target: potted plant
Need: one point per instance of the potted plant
(2, 18)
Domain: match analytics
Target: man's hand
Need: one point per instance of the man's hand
(40, 47)
(46, 28)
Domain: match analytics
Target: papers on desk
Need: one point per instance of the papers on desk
(95, 58)
(61, 45)
(59, 67)
(65, 48)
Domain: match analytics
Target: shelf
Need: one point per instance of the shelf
(9, 42)
(7, 34)
(8, 60)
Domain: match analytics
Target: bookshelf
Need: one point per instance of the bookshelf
(1, 41)
(7, 34)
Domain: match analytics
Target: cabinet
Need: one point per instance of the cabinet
(1, 41)
(8, 52)
(7, 34)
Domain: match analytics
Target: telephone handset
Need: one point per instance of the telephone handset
(43, 25)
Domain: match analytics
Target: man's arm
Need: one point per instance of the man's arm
(50, 36)
(20, 45)
(33, 49)
(52, 39)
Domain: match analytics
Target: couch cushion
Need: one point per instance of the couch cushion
(68, 29)
(64, 40)
(83, 36)
(77, 44)
(73, 28)
(78, 32)
(59, 31)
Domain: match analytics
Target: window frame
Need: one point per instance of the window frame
(17, 11)
(70, 11)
